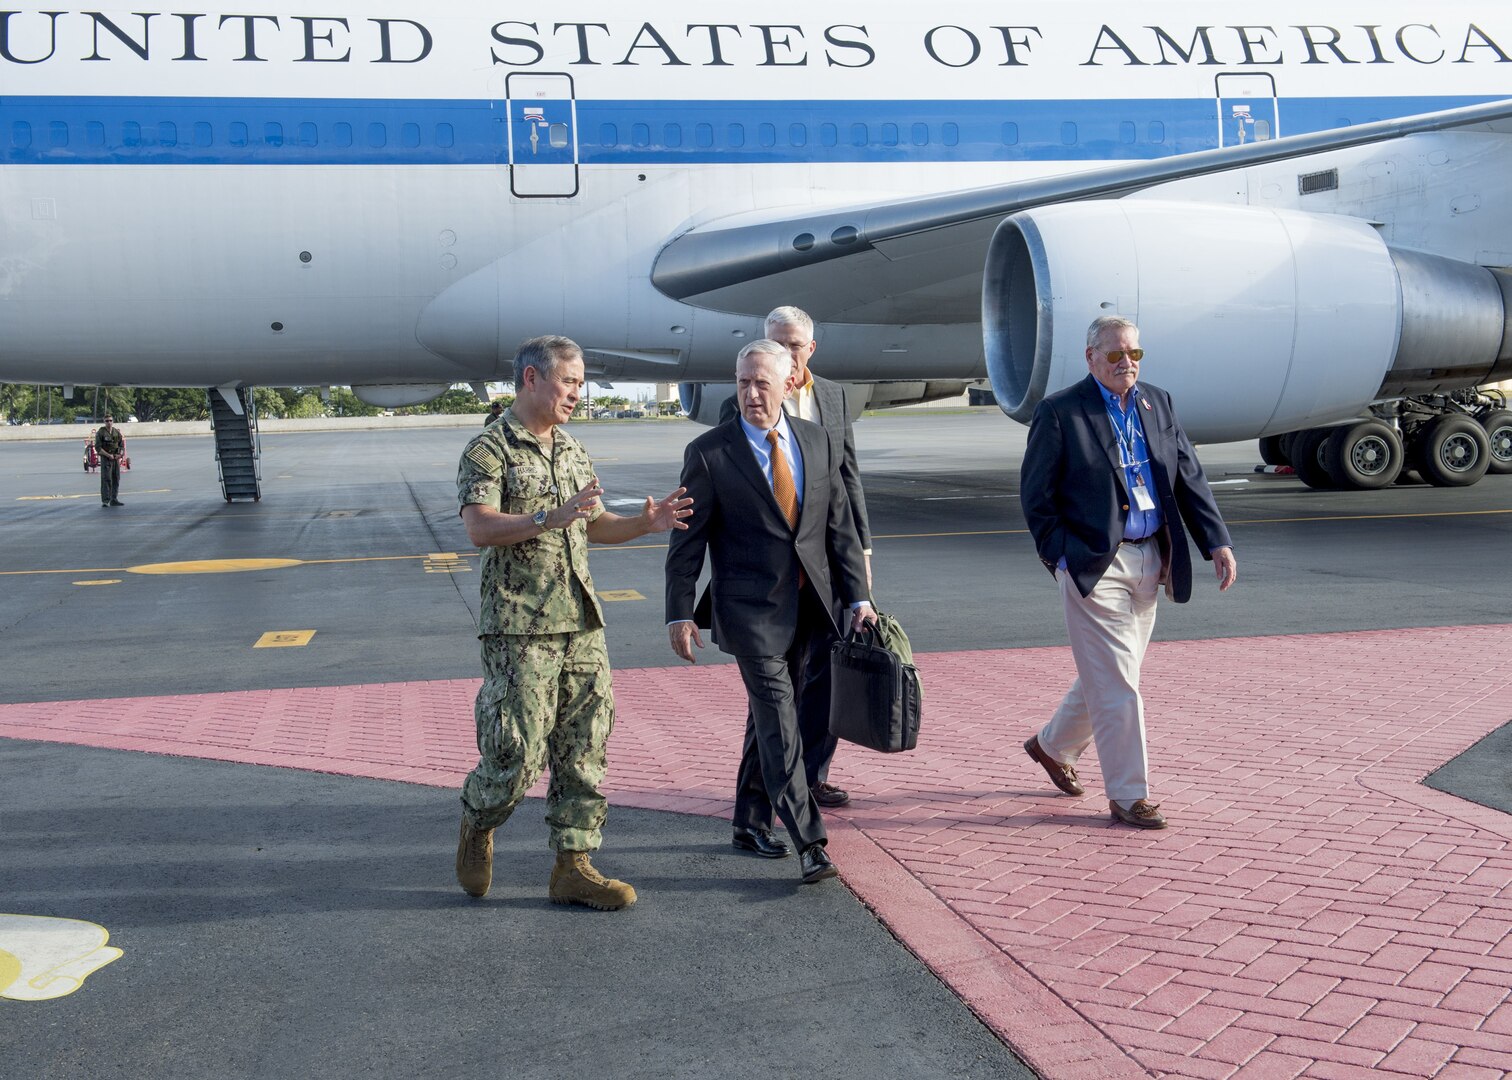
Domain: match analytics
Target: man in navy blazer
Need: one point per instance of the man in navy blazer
(1110, 487)
(823, 402)
(771, 514)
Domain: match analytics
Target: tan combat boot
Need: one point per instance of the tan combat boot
(474, 859)
(575, 881)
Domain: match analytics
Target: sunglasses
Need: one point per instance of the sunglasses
(1116, 355)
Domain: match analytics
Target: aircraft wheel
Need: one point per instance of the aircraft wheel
(1498, 427)
(1452, 451)
(1287, 444)
(1307, 457)
(1363, 456)
(1271, 452)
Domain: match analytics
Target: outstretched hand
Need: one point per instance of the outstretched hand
(667, 514)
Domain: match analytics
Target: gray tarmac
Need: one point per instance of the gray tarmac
(277, 922)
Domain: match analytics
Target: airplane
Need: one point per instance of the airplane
(1299, 205)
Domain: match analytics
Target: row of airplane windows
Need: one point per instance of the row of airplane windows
(58, 133)
(859, 135)
(166, 134)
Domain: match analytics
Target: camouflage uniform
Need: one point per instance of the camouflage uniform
(546, 683)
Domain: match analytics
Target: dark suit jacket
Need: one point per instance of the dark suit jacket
(834, 417)
(751, 549)
(1073, 492)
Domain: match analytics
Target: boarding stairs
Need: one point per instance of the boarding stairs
(238, 458)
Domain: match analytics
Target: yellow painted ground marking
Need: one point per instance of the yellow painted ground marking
(213, 566)
(284, 639)
(619, 594)
(42, 958)
(446, 562)
(44, 498)
(101, 581)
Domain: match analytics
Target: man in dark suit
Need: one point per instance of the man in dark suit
(770, 512)
(821, 402)
(1108, 482)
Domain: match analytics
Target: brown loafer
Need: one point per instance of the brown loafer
(1140, 814)
(1062, 776)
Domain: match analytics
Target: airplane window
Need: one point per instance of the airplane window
(640, 134)
(766, 134)
(1010, 134)
(94, 133)
(797, 135)
(21, 134)
(341, 134)
(671, 135)
(1262, 130)
(950, 134)
(131, 133)
(202, 134)
(703, 134)
(828, 135)
(167, 133)
(409, 135)
(1068, 133)
(889, 134)
(557, 133)
(921, 134)
(377, 136)
(445, 136)
(1157, 131)
(308, 136)
(859, 136)
(736, 135)
(1126, 132)
(59, 133)
(608, 135)
(273, 134)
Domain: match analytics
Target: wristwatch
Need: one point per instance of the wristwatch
(539, 517)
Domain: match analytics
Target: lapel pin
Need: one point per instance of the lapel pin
(1146, 403)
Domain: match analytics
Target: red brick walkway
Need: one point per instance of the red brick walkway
(1314, 910)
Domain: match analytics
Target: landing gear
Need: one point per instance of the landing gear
(1450, 440)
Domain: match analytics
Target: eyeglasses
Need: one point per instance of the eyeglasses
(1116, 355)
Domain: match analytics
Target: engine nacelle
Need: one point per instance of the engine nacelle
(701, 402)
(1257, 321)
(398, 395)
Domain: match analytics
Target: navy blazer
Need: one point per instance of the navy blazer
(1074, 496)
(834, 417)
(753, 553)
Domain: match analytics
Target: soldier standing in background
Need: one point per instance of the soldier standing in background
(530, 501)
(110, 444)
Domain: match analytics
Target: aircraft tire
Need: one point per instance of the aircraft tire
(1498, 427)
(1286, 443)
(1363, 456)
(1452, 451)
(1271, 452)
(1307, 458)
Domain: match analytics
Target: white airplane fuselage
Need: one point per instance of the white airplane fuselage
(364, 195)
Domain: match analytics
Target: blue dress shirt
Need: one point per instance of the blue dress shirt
(1134, 453)
(763, 450)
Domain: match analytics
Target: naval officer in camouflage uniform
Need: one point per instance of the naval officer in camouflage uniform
(530, 501)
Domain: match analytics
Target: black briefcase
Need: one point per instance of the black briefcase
(875, 696)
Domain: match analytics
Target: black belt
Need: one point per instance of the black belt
(1141, 540)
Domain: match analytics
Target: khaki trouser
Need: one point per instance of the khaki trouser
(1109, 631)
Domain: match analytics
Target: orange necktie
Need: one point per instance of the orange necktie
(782, 482)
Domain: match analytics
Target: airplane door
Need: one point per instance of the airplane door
(542, 135)
(1247, 109)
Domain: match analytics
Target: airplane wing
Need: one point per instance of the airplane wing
(920, 260)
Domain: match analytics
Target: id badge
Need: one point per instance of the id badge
(1142, 497)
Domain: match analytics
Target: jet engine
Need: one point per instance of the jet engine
(701, 402)
(1257, 320)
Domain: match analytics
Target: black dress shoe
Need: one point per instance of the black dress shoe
(815, 864)
(827, 794)
(116, 502)
(761, 842)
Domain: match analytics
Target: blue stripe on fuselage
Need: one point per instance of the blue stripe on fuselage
(360, 131)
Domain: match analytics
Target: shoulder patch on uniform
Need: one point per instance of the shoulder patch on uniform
(482, 457)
